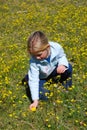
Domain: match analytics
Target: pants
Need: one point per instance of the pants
(65, 80)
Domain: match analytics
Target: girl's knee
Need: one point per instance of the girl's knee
(70, 68)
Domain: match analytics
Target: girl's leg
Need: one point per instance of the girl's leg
(66, 77)
(42, 90)
(66, 80)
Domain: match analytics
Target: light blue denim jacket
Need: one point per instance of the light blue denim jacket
(40, 69)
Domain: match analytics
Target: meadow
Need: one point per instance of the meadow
(63, 21)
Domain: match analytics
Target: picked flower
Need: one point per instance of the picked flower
(33, 109)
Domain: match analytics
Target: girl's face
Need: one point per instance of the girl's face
(42, 55)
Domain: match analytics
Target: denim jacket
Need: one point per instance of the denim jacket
(41, 69)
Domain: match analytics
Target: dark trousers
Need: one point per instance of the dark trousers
(65, 80)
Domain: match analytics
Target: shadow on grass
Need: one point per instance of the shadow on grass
(28, 93)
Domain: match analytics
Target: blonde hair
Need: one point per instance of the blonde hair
(37, 42)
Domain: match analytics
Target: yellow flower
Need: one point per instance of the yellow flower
(49, 125)
(85, 124)
(59, 101)
(33, 109)
(57, 117)
(51, 94)
(86, 113)
(0, 101)
(47, 120)
(73, 100)
(76, 121)
(24, 96)
(10, 115)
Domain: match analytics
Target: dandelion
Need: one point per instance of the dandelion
(51, 94)
(86, 113)
(57, 117)
(84, 124)
(14, 105)
(59, 101)
(0, 101)
(25, 83)
(76, 121)
(70, 88)
(24, 96)
(46, 94)
(20, 102)
(58, 91)
(49, 125)
(33, 109)
(0, 83)
(73, 86)
(6, 80)
(46, 120)
(24, 114)
(73, 100)
(55, 85)
(10, 92)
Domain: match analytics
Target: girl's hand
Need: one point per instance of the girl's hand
(34, 104)
(61, 69)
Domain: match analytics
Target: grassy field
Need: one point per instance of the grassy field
(63, 21)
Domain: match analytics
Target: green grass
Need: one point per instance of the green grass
(63, 21)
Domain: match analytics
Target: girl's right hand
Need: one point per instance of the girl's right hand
(34, 104)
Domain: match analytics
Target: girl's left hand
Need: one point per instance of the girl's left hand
(61, 69)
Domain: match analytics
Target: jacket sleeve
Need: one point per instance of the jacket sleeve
(33, 82)
(62, 57)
